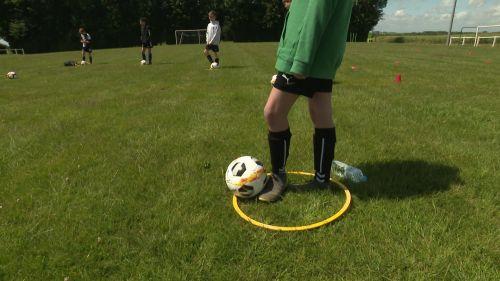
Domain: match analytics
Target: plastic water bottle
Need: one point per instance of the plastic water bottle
(348, 172)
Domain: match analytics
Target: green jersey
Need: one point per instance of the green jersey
(314, 38)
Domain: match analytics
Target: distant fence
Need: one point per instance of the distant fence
(12, 51)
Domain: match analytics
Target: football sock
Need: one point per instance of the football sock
(90, 59)
(83, 58)
(209, 57)
(143, 56)
(217, 60)
(150, 58)
(279, 145)
(324, 152)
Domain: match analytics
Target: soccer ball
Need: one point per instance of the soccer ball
(246, 177)
(214, 65)
(83, 62)
(143, 62)
(11, 75)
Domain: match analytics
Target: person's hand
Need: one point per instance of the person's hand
(273, 80)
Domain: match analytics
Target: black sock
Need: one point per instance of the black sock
(324, 153)
(217, 60)
(279, 145)
(209, 57)
(143, 56)
(83, 58)
(90, 59)
(150, 58)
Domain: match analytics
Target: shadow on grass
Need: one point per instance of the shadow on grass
(405, 178)
(234, 66)
(389, 179)
(164, 63)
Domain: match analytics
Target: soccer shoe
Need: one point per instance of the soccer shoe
(274, 189)
(319, 185)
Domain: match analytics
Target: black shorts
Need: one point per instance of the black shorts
(306, 87)
(87, 49)
(147, 45)
(211, 47)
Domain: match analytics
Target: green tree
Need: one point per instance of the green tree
(365, 16)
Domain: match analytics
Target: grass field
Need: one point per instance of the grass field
(116, 171)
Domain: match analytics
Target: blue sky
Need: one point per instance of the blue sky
(432, 15)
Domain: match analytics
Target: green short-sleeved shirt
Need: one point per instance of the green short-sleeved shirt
(314, 38)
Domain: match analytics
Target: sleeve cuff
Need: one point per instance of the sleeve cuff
(299, 67)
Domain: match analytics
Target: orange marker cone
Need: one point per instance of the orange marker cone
(398, 78)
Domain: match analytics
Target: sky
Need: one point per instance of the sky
(434, 15)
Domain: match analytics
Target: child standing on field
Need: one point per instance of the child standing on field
(310, 51)
(213, 38)
(146, 41)
(86, 41)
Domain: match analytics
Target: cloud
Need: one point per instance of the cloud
(461, 15)
(427, 15)
(444, 17)
(496, 11)
(476, 3)
(400, 13)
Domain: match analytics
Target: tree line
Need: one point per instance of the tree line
(52, 25)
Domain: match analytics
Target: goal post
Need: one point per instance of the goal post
(478, 37)
(181, 34)
(494, 36)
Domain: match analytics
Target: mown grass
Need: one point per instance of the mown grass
(115, 171)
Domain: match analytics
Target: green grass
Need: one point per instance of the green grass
(115, 171)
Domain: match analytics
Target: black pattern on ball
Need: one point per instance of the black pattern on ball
(240, 171)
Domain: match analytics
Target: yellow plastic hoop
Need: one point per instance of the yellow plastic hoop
(329, 220)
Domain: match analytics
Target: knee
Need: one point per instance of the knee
(205, 52)
(271, 115)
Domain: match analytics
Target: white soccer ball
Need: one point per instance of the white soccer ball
(11, 75)
(143, 62)
(214, 65)
(83, 62)
(246, 177)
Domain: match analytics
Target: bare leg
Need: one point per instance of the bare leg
(276, 113)
(277, 108)
(207, 54)
(320, 109)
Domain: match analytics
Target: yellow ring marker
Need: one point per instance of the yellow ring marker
(329, 220)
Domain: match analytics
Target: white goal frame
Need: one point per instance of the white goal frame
(179, 34)
(478, 38)
(463, 38)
